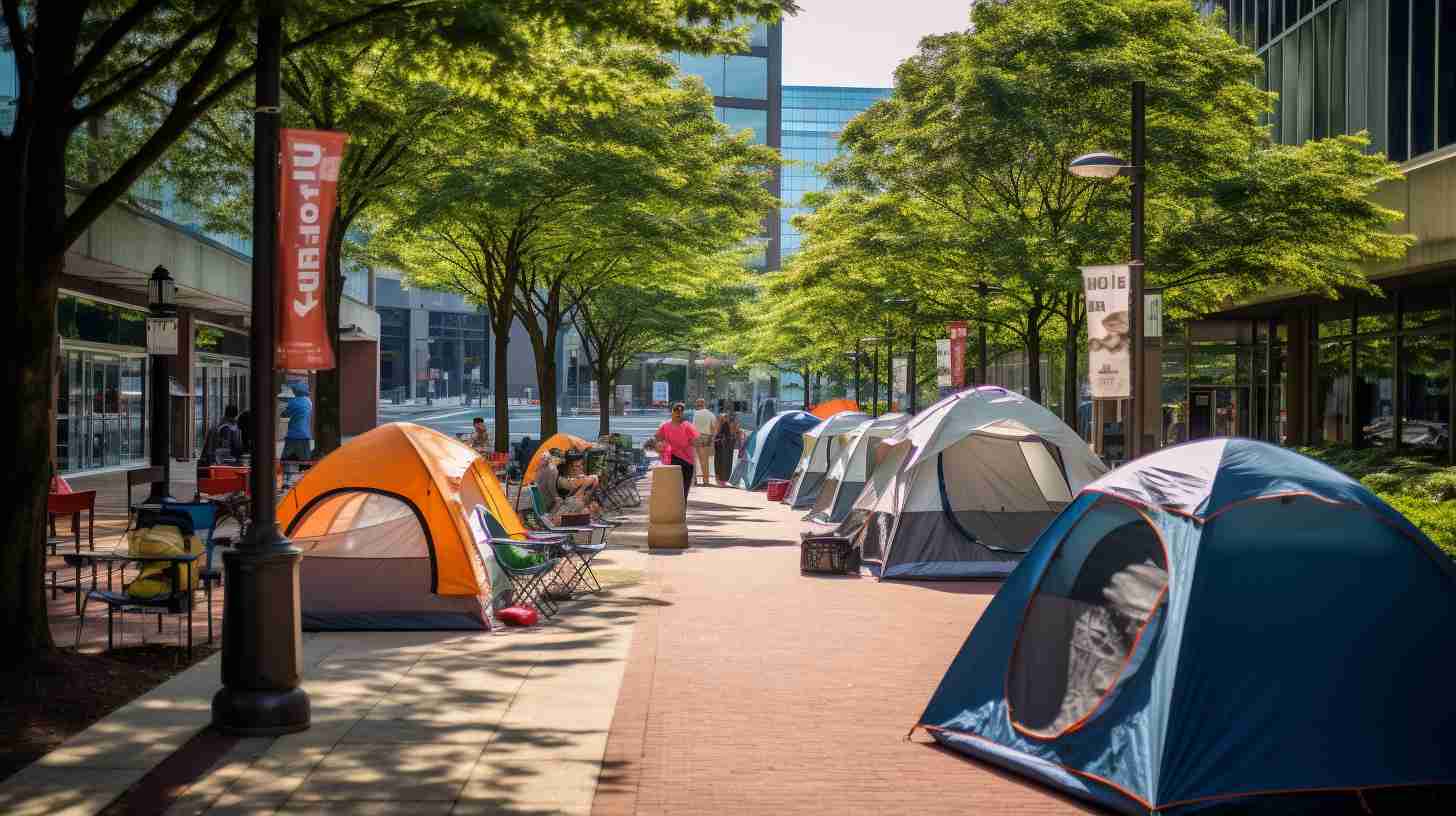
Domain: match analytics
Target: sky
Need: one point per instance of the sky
(858, 43)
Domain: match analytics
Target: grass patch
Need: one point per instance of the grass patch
(1421, 486)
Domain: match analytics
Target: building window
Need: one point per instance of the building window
(1334, 319)
(709, 69)
(738, 119)
(1332, 393)
(1425, 308)
(1376, 314)
(1423, 75)
(1425, 391)
(745, 77)
(1399, 141)
(1375, 391)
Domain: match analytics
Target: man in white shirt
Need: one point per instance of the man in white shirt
(704, 422)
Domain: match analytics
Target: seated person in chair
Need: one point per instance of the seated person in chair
(574, 492)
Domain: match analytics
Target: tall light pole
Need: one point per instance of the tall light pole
(982, 289)
(1106, 166)
(874, 375)
(262, 642)
(855, 355)
(910, 371)
(162, 297)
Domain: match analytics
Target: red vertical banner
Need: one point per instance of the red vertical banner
(957, 354)
(308, 179)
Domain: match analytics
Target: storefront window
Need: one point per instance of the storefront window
(1334, 319)
(1376, 314)
(100, 410)
(1426, 307)
(1425, 391)
(1332, 393)
(1375, 391)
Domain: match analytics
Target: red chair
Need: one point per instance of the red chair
(72, 504)
(222, 485)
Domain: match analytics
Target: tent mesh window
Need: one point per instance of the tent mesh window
(1098, 593)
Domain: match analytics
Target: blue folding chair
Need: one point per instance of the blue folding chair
(204, 521)
(529, 579)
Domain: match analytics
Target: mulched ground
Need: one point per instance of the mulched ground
(48, 698)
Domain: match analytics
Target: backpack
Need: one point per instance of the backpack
(162, 532)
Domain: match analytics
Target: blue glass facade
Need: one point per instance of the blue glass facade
(813, 118)
(746, 92)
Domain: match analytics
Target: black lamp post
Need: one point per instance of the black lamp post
(855, 355)
(262, 642)
(1106, 166)
(162, 305)
(874, 375)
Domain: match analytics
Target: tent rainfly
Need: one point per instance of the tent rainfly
(966, 487)
(851, 467)
(384, 525)
(1221, 626)
(822, 444)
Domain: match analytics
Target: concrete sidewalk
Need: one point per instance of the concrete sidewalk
(512, 721)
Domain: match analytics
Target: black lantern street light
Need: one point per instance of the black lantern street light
(262, 642)
(1108, 166)
(855, 355)
(162, 306)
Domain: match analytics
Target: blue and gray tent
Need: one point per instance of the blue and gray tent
(966, 486)
(1220, 626)
(822, 445)
(773, 449)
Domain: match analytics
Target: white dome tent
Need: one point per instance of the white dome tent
(966, 486)
(852, 467)
(822, 444)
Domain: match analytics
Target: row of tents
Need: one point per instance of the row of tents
(958, 491)
(1224, 626)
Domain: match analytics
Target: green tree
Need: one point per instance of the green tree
(79, 62)
(983, 124)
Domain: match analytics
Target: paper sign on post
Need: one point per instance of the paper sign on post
(1109, 360)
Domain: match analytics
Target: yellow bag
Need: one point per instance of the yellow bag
(155, 579)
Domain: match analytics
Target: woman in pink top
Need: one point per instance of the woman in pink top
(675, 442)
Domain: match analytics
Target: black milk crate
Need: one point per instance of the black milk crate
(828, 554)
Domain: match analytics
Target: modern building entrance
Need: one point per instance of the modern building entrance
(1218, 411)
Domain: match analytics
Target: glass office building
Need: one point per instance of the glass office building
(1363, 370)
(813, 118)
(747, 89)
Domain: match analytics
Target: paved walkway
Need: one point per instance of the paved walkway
(753, 689)
(713, 680)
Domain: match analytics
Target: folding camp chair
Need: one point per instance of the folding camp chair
(528, 583)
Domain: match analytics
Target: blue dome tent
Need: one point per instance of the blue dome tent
(773, 450)
(1220, 625)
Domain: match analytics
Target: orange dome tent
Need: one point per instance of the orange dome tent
(825, 410)
(388, 533)
(562, 442)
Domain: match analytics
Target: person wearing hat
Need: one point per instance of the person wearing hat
(298, 441)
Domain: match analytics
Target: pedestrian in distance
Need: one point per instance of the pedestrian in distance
(725, 441)
(675, 444)
(298, 441)
(705, 423)
(480, 440)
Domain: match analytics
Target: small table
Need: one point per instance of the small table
(113, 557)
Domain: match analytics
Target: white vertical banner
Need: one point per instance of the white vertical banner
(1152, 314)
(1109, 360)
(902, 370)
(942, 363)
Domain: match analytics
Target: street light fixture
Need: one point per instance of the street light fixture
(855, 355)
(162, 307)
(1107, 166)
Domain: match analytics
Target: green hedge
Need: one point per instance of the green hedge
(1421, 487)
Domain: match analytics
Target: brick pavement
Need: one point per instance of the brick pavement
(752, 689)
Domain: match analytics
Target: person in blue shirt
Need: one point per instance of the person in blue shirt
(298, 441)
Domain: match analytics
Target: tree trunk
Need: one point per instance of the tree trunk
(32, 174)
(1033, 357)
(329, 394)
(605, 383)
(501, 377)
(546, 377)
(1071, 390)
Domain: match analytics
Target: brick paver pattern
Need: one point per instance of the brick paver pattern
(750, 688)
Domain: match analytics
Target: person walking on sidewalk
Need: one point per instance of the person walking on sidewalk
(675, 439)
(298, 442)
(705, 424)
(725, 442)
